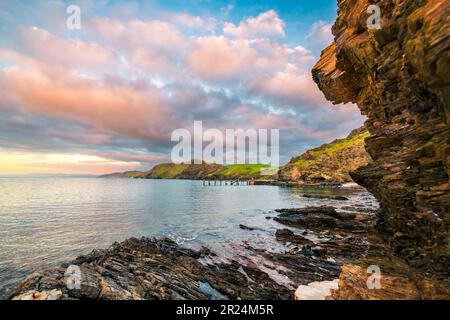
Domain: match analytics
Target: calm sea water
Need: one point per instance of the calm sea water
(44, 221)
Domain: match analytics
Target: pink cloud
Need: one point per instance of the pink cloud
(135, 33)
(254, 118)
(149, 45)
(114, 107)
(320, 36)
(217, 57)
(47, 47)
(274, 56)
(292, 86)
(267, 24)
(133, 156)
(151, 60)
(194, 22)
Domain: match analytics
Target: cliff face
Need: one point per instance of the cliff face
(399, 78)
(330, 162)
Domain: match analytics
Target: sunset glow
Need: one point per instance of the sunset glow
(77, 101)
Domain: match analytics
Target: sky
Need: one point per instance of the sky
(106, 97)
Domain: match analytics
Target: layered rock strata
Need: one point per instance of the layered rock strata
(398, 75)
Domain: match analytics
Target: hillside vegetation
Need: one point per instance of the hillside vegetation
(205, 171)
(196, 172)
(330, 162)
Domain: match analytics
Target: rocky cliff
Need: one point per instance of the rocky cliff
(330, 162)
(399, 77)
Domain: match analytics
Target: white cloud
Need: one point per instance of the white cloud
(292, 87)
(320, 36)
(194, 22)
(267, 24)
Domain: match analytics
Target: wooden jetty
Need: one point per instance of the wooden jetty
(236, 182)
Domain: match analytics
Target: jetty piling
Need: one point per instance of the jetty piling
(235, 182)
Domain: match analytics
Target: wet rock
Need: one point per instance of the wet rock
(317, 196)
(310, 217)
(307, 251)
(286, 235)
(90, 285)
(244, 227)
(323, 218)
(299, 268)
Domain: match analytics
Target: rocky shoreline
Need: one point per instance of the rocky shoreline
(322, 244)
(317, 239)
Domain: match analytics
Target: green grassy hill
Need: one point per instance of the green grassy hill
(330, 162)
(196, 172)
(182, 171)
(205, 171)
(240, 171)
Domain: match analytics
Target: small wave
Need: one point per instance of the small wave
(182, 239)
